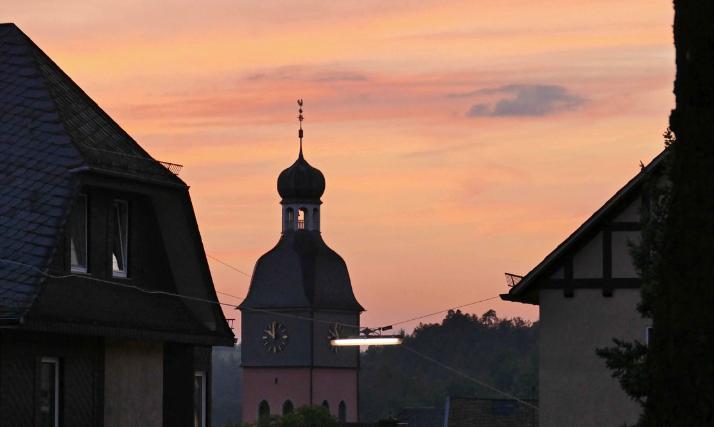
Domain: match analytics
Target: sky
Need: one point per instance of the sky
(459, 139)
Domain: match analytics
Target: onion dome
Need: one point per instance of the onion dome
(301, 181)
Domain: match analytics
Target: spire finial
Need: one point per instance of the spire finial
(300, 119)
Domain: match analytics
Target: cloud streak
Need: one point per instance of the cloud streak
(523, 100)
(297, 73)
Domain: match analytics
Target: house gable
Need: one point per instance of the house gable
(55, 143)
(597, 254)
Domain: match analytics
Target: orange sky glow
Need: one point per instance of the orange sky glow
(459, 139)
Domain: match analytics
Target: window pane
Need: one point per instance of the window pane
(48, 394)
(342, 411)
(78, 235)
(263, 411)
(287, 407)
(199, 399)
(121, 238)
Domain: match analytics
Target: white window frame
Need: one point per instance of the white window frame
(80, 268)
(202, 375)
(55, 361)
(648, 335)
(123, 245)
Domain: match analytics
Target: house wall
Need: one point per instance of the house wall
(133, 378)
(81, 378)
(575, 387)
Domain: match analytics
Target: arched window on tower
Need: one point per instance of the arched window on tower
(289, 219)
(315, 219)
(302, 216)
(287, 407)
(342, 411)
(326, 405)
(263, 411)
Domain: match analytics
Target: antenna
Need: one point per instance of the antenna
(300, 119)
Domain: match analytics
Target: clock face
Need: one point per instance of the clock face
(275, 337)
(334, 332)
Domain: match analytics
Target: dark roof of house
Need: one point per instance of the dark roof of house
(470, 412)
(50, 131)
(524, 290)
(301, 182)
(301, 271)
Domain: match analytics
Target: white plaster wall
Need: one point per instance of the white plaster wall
(576, 389)
(622, 262)
(587, 262)
(559, 274)
(133, 384)
(631, 213)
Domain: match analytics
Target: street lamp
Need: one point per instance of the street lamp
(368, 337)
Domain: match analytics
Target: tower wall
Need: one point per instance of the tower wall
(277, 385)
(336, 385)
(274, 385)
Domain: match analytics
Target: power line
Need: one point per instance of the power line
(384, 327)
(468, 377)
(444, 311)
(229, 266)
(187, 297)
(269, 311)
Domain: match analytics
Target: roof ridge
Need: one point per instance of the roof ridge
(60, 85)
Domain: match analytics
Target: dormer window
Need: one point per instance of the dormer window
(78, 235)
(120, 245)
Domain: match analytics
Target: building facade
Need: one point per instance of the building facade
(587, 291)
(300, 298)
(103, 276)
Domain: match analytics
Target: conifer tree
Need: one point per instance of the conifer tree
(674, 377)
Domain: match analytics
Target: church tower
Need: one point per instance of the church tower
(300, 298)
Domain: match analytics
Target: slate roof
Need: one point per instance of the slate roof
(421, 417)
(301, 271)
(524, 291)
(476, 412)
(49, 129)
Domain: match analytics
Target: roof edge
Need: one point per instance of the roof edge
(519, 292)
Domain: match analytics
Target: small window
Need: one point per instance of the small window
(326, 405)
(342, 411)
(315, 219)
(287, 407)
(49, 392)
(263, 411)
(648, 335)
(290, 219)
(301, 219)
(120, 246)
(199, 399)
(78, 235)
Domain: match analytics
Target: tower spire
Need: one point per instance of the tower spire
(300, 119)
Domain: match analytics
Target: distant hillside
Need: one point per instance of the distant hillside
(227, 377)
(500, 352)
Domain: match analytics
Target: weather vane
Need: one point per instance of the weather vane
(300, 118)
